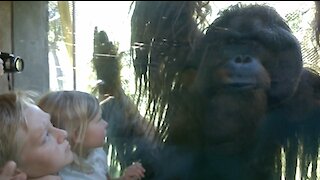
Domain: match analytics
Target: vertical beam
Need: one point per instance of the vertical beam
(5, 37)
(30, 42)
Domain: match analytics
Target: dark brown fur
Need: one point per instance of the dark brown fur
(239, 95)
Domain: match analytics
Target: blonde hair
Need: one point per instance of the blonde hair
(12, 107)
(71, 111)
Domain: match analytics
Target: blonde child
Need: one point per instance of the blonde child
(9, 170)
(79, 113)
(28, 139)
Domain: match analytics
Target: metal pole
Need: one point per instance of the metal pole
(74, 45)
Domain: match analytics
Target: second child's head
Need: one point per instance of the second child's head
(78, 113)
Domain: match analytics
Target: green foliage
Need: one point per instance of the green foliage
(55, 28)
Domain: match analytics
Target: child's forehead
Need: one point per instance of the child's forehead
(34, 116)
(36, 123)
(97, 115)
(31, 133)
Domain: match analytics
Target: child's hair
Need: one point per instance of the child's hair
(12, 107)
(71, 111)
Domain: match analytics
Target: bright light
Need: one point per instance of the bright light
(110, 16)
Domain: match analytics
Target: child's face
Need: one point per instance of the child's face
(95, 133)
(44, 149)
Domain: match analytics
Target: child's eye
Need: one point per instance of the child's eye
(46, 137)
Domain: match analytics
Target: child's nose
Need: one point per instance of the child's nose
(61, 135)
